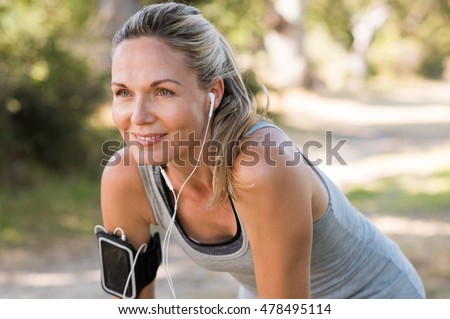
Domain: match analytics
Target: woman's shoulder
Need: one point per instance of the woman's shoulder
(122, 187)
(121, 170)
(268, 155)
(273, 167)
(266, 149)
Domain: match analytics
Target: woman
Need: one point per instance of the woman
(197, 150)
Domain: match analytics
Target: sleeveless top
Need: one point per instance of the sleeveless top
(350, 257)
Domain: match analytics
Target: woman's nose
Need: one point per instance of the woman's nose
(143, 112)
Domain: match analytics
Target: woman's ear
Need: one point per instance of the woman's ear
(217, 88)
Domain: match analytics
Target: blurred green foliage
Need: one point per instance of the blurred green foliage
(424, 23)
(394, 195)
(243, 21)
(336, 15)
(57, 207)
(48, 88)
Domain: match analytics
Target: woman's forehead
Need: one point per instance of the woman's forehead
(149, 56)
(146, 47)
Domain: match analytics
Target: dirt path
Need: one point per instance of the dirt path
(70, 270)
(405, 128)
(55, 273)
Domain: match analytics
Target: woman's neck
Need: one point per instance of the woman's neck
(200, 181)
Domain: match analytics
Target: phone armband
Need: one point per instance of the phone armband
(117, 257)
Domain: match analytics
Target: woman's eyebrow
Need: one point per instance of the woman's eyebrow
(118, 84)
(155, 83)
(158, 82)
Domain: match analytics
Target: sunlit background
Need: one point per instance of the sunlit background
(368, 79)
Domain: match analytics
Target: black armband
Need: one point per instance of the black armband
(117, 257)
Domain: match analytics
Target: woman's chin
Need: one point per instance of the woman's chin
(144, 158)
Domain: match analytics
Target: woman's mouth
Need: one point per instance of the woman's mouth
(148, 139)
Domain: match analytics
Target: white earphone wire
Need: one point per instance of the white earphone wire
(176, 198)
(142, 247)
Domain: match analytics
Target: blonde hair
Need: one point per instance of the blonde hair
(210, 56)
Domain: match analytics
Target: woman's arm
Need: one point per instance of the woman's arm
(277, 213)
(125, 204)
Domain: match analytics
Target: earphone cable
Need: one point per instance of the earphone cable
(142, 247)
(172, 220)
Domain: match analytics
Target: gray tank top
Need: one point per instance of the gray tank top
(350, 257)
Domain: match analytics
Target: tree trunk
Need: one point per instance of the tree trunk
(288, 66)
(114, 13)
(364, 30)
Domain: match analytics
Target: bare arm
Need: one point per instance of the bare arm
(277, 214)
(125, 205)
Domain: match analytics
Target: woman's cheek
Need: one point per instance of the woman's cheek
(120, 119)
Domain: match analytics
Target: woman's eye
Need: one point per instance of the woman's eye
(165, 92)
(123, 93)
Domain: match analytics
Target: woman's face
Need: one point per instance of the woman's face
(158, 106)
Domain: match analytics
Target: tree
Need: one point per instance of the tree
(284, 42)
(48, 89)
(427, 23)
(380, 27)
(113, 13)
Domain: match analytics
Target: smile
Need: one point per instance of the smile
(149, 138)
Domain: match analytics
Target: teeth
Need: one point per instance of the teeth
(144, 138)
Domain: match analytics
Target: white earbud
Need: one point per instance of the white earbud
(211, 107)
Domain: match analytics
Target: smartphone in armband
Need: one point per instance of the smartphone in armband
(117, 258)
